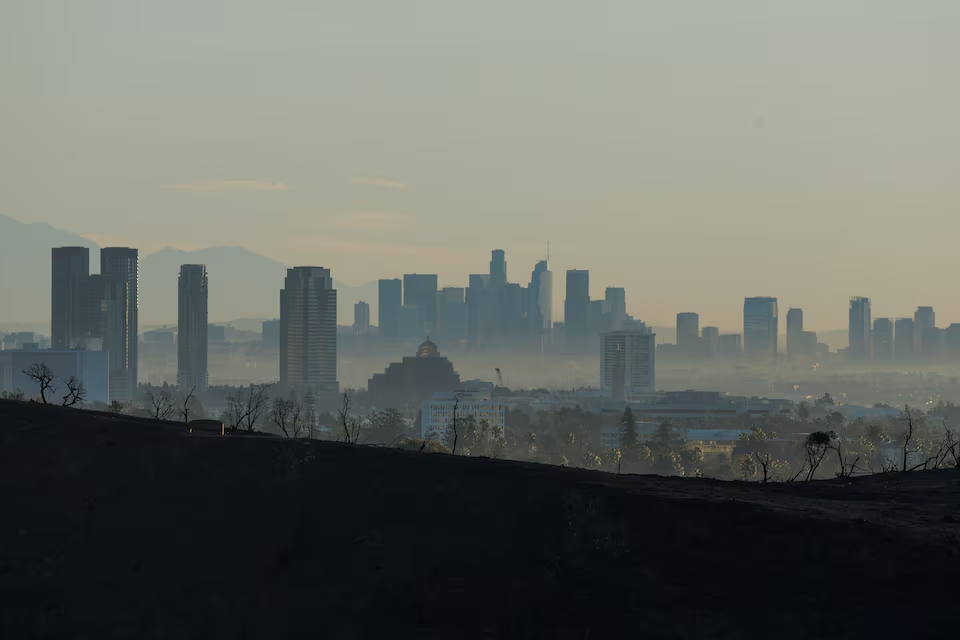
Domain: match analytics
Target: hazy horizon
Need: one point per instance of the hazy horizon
(694, 153)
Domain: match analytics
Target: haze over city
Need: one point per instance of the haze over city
(693, 153)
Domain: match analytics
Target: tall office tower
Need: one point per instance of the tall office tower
(932, 343)
(308, 334)
(710, 341)
(271, 332)
(391, 299)
(795, 332)
(859, 328)
(729, 345)
(70, 268)
(498, 269)
(576, 309)
(122, 262)
(481, 309)
(688, 333)
(192, 329)
(627, 366)
(952, 341)
(510, 320)
(421, 290)
(616, 298)
(904, 332)
(105, 312)
(540, 300)
(361, 318)
(883, 339)
(923, 319)
(453, 314)
(760, 327)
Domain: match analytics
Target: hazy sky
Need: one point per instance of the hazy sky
(693, 152)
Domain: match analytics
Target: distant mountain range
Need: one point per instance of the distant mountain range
(243, 284)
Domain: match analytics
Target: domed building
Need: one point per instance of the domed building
(404, 385)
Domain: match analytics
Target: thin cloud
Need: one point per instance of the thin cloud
(380, 182)
(372, 221)
(227, 185)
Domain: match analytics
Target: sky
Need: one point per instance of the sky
(694, 152)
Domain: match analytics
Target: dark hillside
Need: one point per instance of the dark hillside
(112, 527)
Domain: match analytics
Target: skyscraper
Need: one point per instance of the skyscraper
(616, 298)
(421, 290)
(498, 269)
(453, 314)
(576, 309)
(123, 263)
(883, 339)
(192, 329)
(627, 363)
(390, 300)
(794, 332)
(308, 334)
(760, 327)
(729, 345)
(481, 309)
(361, 318)
(923, 319)
(903, 339)
(710, 341)
(70, 268)
(859, 328)
(688, 333)
(540, 298)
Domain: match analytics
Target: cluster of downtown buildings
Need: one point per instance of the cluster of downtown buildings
(94, 327)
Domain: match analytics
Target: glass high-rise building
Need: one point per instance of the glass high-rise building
(883, 339)
(308, 334)
(123, 264)
(498, 269)
(859, 328)
(420, 290)
(904, 333)
(795, 332)
(70, 268)
(688, 333)
(576, 308)
(390, 299)
(192, 329)
(760, 327)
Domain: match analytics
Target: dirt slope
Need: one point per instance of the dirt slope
(122, 528)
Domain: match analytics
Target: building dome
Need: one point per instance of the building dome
(427, 350)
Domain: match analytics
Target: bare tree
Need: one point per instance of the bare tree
(246, 407)
(764, 462)
(285, 414)
(161, 405)
(184, 411)
(42, 375)
(351, 426)
(75, 392)
(907, 437)
(456, 405)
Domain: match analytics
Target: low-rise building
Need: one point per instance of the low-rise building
(437, 412)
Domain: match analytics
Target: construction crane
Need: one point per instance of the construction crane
(499, 378)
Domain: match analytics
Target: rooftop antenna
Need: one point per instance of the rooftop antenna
(548, 250)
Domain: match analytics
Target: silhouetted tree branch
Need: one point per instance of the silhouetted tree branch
(161, 405)
(42, 375)
(75, 392)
